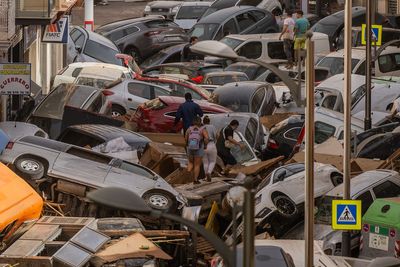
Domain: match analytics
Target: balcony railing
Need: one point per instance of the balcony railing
(44, 10)
(7, 19)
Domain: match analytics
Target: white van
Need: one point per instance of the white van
(72, 71)
(99, 77)
(268, 48)
(386, 65)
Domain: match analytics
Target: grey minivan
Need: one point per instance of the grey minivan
(234, 20)
(88, 46)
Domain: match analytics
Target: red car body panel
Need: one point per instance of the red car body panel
(161, 119)
(191, 87)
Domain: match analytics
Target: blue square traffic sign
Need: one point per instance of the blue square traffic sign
(346, 214)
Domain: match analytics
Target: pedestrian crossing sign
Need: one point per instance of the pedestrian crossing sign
(376, 35)
(346, 214)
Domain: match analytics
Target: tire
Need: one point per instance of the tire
(159, 200)
(117, 111)
(285, 205)
(134, 52)
(337, 179)
(29, 168)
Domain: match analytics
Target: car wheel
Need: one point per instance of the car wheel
(337, 179)
(117, 111)
(159, 200)
(285, 205)
(132, 51)
(29, 168)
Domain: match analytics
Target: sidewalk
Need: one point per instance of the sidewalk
(112, 12)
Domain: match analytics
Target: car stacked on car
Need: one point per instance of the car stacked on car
(108, 124)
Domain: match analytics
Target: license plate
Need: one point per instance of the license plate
(380, 242)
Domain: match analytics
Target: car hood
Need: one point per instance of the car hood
(164, 4)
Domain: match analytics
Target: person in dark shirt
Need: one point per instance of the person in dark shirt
(187, 55)
(187, 112)
(224, 144)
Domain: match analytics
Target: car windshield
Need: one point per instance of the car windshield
(209, 11)
(191, 12)
(204, 31)
(101, 52)
(221, 80)
(252, 71)
(53, 105)
(291, 120)
(336, 64)
(153, 60)
(324, 210)
(323, 27)
(231, 42)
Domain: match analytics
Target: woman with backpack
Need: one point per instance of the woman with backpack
(210, 154)
(196, 138)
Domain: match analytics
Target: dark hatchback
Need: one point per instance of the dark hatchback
(247, 96)
(234, 20)
(191, 69)
(333, 24)
(142, 37)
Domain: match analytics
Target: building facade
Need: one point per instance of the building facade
(22, 23)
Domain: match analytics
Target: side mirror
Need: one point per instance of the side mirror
(78, 49)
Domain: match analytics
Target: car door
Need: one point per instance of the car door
(83, 166)
(388, 65)
(257, 101)
(130, 176)
(76, 42)
(229, 27)
(136, 94)
(387, 189)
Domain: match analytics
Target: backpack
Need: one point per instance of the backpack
(195, 137)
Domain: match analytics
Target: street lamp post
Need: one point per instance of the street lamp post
(127, 200)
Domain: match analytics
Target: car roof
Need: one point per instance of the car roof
(338, 17)
(223, 14)
(224, 3)
(197, 3)
(189, 65)
(224, 73)
(362, 182)
(359, 52)
(125, 22)
(250, 86)
(98, 38)
(101, 72)
(108, 132)
(140, 82)
(180, 100)
(336, 82)
(98, 64)
(269, 36)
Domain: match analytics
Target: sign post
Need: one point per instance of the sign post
(346, 214)
(15, 79)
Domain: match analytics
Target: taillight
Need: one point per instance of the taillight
(107, 92)
(151, 33)
(272, 144)
(10, 145)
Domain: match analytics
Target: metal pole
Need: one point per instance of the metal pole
(367, 120)
(248, 219)
(309, 160)
(347, 117)
(89, 14)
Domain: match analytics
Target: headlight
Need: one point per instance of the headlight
(147, 9)
(175, 9)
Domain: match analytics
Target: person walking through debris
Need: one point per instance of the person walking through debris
(196, 138)
(300, 29)
(187, 112)
(210, 154)
(225, 143)
(288, 35)
(187, 55)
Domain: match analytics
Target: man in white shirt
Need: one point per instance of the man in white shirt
(288, 35)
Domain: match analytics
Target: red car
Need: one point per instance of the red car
(158, 115)
(179, 87)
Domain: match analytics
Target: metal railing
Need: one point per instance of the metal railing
(7, 19)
